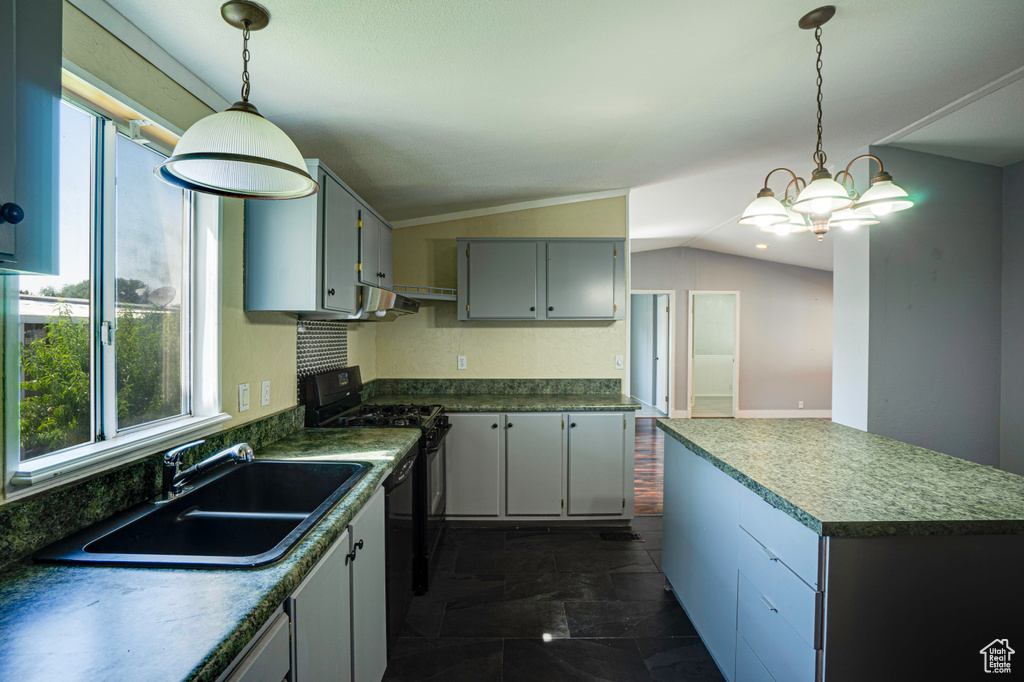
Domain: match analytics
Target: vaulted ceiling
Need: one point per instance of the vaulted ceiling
(436, 106)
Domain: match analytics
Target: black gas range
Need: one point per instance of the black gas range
(416, 488)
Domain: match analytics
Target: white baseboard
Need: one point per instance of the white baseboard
(784, 414)
(680, 414)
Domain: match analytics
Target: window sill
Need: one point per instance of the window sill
(46, 472)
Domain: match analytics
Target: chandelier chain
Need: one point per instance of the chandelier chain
(245, 63)
(819, 154)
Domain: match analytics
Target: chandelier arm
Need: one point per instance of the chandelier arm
(844, 175)
(774, 171)
(797, 184)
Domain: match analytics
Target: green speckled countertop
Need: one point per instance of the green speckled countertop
(100, 623)
(840, 481)
(511, 402)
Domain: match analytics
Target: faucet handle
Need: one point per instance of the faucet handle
(174, 456)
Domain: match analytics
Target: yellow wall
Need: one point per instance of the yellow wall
(254, 346)
(425, 345)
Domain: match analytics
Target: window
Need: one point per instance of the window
(115, 348)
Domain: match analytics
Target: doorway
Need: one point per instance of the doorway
(652, 351)
(713, 353)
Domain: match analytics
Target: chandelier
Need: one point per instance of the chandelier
(824, 202)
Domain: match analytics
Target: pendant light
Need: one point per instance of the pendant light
(237, 152)
(825, 201)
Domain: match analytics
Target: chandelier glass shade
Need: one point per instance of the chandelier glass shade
(825, 201)
(237, 152)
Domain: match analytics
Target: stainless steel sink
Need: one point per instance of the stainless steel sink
(246, 515)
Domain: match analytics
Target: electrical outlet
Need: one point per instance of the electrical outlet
(243, 397)
(618, 362)
(462, 362)
(800, 404)
(265, 393)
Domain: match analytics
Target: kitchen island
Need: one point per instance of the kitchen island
(807, 550)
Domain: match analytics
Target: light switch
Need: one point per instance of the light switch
(618, 362)
(462, 362)
(265, 393)
(243, 397)
(800, 404)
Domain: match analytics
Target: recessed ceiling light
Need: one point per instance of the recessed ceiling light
(762, 246)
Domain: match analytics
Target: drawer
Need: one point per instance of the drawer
(782, 651)
(269, 660)
(797, 603)
(795, 544)
(748, 668)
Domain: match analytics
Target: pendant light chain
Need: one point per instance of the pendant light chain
(245, 69)
(819, 155)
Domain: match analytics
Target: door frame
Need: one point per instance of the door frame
(671, 344)
(689, 351)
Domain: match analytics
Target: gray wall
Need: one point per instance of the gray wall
(1011, 456)
(785, 323)
(641, 347)
(933, 376)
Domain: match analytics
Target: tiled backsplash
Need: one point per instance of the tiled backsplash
(321, 345)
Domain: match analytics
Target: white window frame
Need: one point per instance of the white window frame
(60, 468)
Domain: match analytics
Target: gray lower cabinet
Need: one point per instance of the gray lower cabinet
(534, 279)
(369, 617)
(30, 69)
(473, 477)
(522, 464)
(597, 464)
(334, 625)
(320, 609)
(304, 255)
(534, 450)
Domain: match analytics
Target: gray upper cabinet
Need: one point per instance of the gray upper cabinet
(581, 280)
(499, 280)
(303, 255)
(553, 279)
(30, 63)
(375, 251)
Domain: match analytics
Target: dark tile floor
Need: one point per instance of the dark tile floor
(537, 604)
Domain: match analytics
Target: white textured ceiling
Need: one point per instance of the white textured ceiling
(436, 106)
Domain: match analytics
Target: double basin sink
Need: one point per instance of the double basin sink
(243, 516)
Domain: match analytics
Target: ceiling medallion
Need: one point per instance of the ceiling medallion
(824, 202)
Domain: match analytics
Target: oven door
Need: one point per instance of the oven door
(437, 462)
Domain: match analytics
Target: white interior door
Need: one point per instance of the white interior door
(714, 353)
(661, 351)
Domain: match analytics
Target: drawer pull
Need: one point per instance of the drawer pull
(771, 607)
(768, 553)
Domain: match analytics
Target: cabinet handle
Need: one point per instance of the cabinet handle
(550, 308)
(330, 292)
(509, 426)
(350, 557)
(771, 607)
(532, 308)
(494, 426)
(768, 553)
(572, 425)
(359, 545)
(11, 213)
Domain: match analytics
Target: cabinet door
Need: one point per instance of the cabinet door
(320, 608)
(533, 464)
(501, 280)
(369, 248)
(385, 257)
(474, 456)
(269, 660)
(340, 219)
(596, 463)
(581, 280)
(369, 592)
(30, 70)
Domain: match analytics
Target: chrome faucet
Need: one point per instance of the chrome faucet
(174, 481)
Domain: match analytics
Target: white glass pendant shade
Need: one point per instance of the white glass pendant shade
(764, 211)
(883, 198)
(238, 153)
(821, 197)
(850, 220)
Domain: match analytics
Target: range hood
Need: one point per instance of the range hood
(381, 305)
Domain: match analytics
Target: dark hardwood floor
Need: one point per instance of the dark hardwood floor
(650, 467)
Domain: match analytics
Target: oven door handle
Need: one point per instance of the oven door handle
(433, 450)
